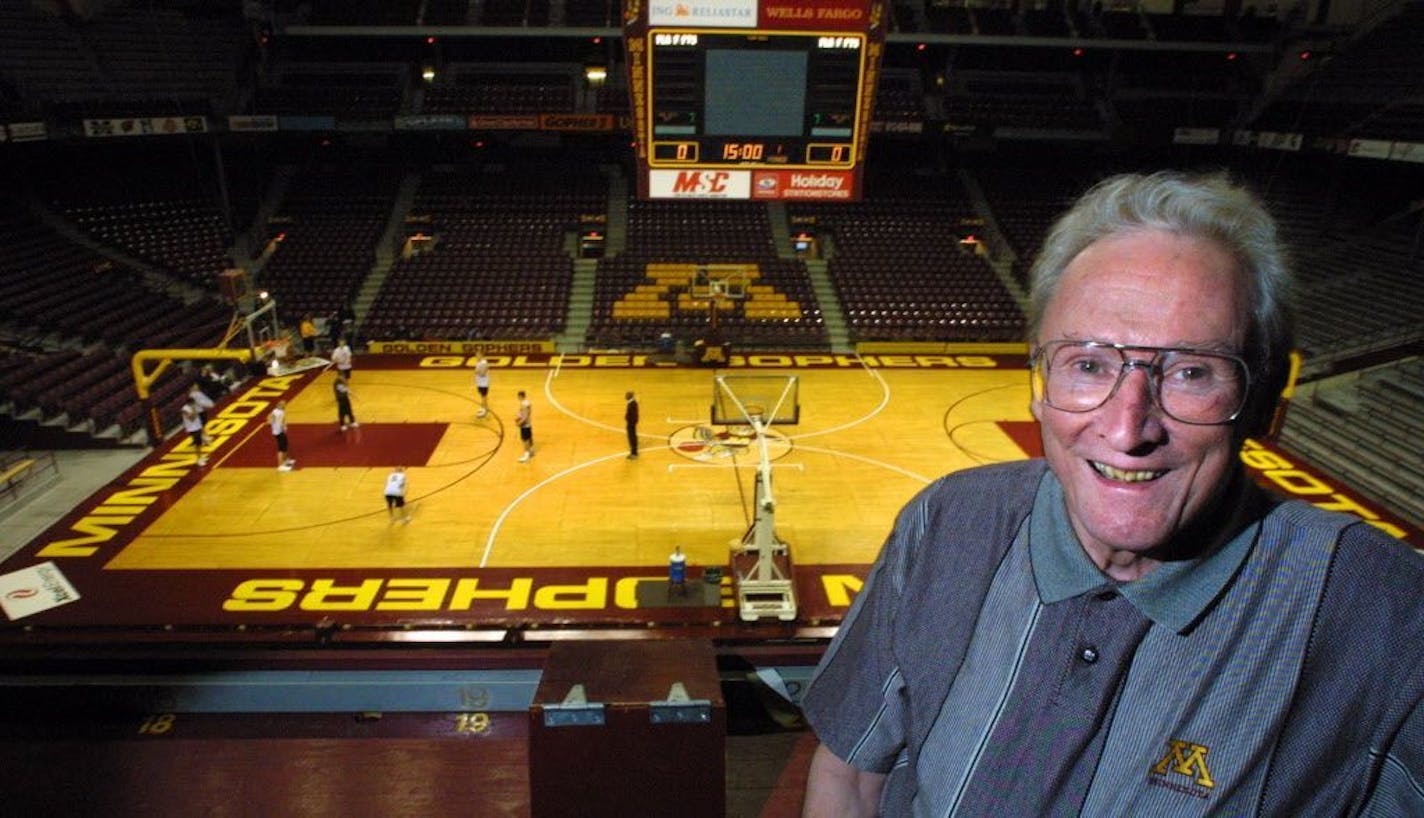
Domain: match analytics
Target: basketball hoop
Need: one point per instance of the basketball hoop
(756, 413)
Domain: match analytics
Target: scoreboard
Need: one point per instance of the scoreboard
(740, 99)
(768, 98)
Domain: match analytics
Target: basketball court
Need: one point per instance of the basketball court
(579, 537)
(570, 535)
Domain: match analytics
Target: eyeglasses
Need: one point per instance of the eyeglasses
(1189, 385)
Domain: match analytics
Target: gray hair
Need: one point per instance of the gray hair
(1208, 206)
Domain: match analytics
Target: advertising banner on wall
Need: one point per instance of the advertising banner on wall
(803, 184)
(700, 184)
(1279, 141)
(1370, 148)
(307, 123)
(1407, 152)
(718, 13)
(1196, 136)
(430, 122)
(824, 15)
(252, 123)
(145, 126)
(26, 132)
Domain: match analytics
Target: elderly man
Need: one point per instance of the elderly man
(1130, 627)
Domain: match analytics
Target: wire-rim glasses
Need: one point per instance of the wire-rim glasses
(1196, 386)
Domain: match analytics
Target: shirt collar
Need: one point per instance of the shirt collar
(1174, 595)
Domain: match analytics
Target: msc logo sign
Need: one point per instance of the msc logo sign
(696, 181)
(1183, 760)
(700, 184)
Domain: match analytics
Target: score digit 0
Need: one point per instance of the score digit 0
(828, 154)
(683, 152)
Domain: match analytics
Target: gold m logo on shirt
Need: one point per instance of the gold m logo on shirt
(1187, 759)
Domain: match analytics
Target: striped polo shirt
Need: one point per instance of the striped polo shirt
(1040, 687)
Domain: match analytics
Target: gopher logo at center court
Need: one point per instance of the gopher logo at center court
(708, 443)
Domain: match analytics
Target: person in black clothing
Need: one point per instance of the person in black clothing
(345, 324)
(213, 384)
(345, 416)
(630, 419)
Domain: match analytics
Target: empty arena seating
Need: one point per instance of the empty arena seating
(1367, 430)
(90, 390)
(1368, 88)
(1114, 24)
(166, 57)
(1050, 21)
(1031, 100)
(1353, 243)
(900, 271)
(1191, 28)
(519, 13)
(67, 383)
(899, 97)
(906, 17)
(498, 265)
(724, 231)
(1363, 295)
(446, 13)
(347, 91)
(1154, 93)
(1025, 200)
(364, 12)
(612, 98)
(127, 60)
(44, 56)
(149, 205)
(949, 19)
(184, 237)
(59, 293)
(638, 297)
(25, 376)
(51, 286)
(995, 21)
(324, 235)
(592, 13)
(470, 89)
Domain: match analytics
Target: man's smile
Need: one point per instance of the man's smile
(1124, 475)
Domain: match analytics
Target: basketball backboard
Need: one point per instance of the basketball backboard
(718, 281)
(773, 400)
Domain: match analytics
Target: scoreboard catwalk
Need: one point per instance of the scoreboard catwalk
(740, 99)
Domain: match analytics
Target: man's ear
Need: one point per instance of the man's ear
(1257, 419)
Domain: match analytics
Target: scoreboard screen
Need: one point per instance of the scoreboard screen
(785, 100)
(754, 111)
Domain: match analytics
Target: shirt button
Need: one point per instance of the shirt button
(1107, 596)
(1089, 655)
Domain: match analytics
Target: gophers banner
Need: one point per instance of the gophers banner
(461, 347)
